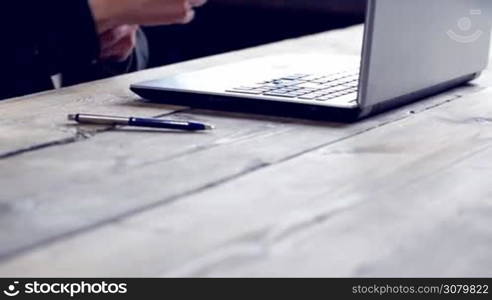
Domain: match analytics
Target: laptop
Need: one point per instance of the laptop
(411, 50)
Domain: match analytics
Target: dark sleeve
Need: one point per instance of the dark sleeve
(98, 70)
(69, 36)
(38, 36)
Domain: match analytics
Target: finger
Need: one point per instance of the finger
(113, 36)
(190, 15)
(119, 55)
(197, 3)
(121, 50)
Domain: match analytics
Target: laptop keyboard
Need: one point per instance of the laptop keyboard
(307, 87)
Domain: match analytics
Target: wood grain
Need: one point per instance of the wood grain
(259, 196)
(241, 222)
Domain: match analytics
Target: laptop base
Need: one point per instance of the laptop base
(230, 103)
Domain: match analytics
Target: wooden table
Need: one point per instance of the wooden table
(407, 193)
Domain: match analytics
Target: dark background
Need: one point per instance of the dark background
(220, 28)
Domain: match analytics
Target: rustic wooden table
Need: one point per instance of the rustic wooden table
(407, 193)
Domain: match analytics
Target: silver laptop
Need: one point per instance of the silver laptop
(411, 49)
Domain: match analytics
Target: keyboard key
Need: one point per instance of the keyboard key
(309, 85)
(308, 90)
(247, 87)
(351, 84)
(349, 98)
(325, 98)
(312, 77)
(284, 82)
(297, 93)
(281, 91)
(295, 76)
(309, 96)
(339, 88)
(337, 94)
(304, 92)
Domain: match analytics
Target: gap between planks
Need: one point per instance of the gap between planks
(84, 229)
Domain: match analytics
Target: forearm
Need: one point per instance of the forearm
(106, 16)
(113, 13)
(44, 37)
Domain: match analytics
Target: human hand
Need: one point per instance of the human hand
(113, 13)
(117, 44)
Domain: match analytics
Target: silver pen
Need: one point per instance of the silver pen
(139, 122)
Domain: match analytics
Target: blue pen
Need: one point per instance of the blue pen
(139, 122)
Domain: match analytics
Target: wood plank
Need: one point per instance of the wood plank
(426, 214)
(78, 185)
(157, 236)
(36, 121)
(40, 120)
(91, 188)
(437, 225)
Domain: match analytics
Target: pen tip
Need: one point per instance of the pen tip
(209, 127)
(71, 117)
